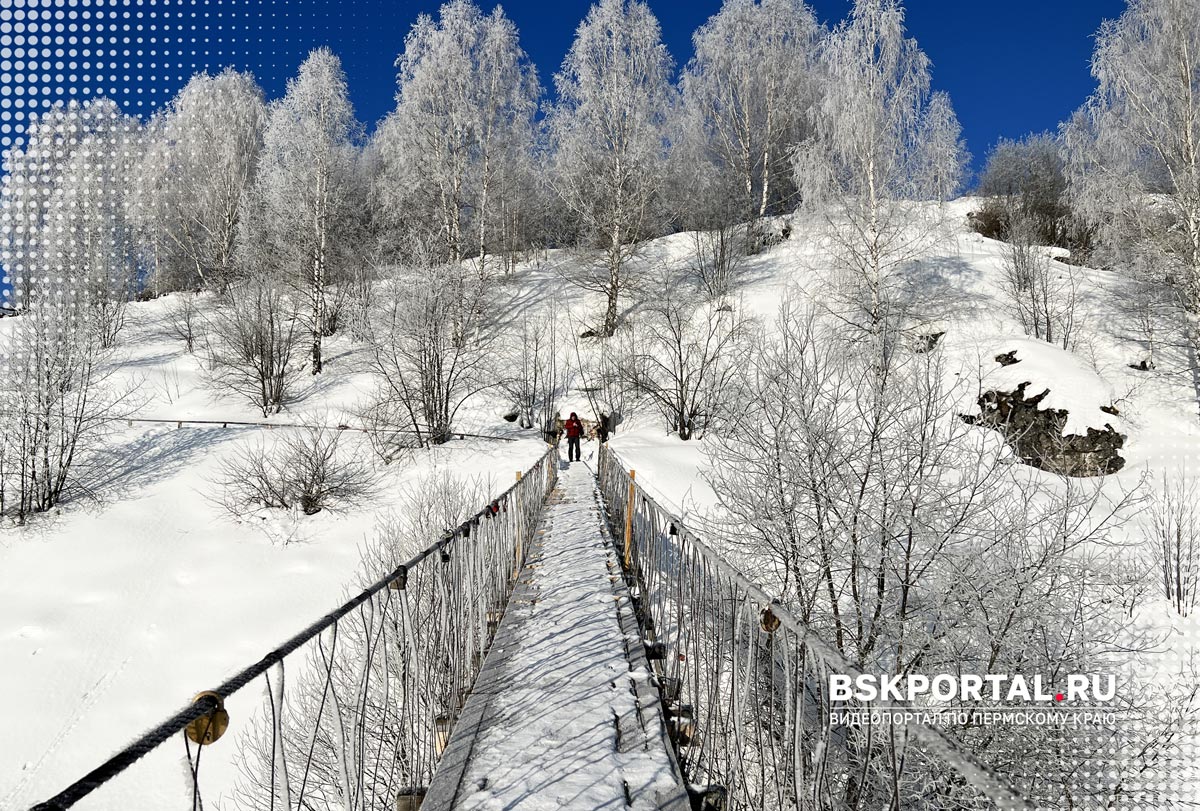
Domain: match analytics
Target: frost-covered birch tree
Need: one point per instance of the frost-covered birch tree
(31, 172)
(682, 359)
(904, 538)
(89, 239)
(870, 157)
(940, 158)
(1134, 148)
(746, 96)
(431, 351)
(301, 215)
(608, 135)
(455, 149)
(71, 249)
(58, 402)
(537, 371)
(1133, 153)
(256, 343)
(200, 161)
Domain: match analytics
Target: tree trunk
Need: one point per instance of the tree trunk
(766, 167)
(613, 289)
(610, 313)
(318, 308)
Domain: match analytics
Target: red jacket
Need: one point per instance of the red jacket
(574, 428)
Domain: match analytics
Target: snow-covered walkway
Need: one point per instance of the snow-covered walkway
(563, 715)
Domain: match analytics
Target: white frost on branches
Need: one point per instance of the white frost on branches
(608, 133)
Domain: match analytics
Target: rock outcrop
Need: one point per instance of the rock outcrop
(1036, 435)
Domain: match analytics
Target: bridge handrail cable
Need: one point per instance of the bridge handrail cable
(471, 593)
(659, 549)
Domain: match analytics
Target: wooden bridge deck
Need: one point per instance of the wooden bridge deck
(563, 714)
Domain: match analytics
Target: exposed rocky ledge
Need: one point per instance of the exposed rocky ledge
(1036, 434)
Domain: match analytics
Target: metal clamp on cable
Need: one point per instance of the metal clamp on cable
(208, 728)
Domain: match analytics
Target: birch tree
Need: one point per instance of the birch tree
(940, 157)
(70, 245)
(746, 95)
(870, 158)
(31, 173)
(683, 358)
(455, 146)
(608, 132)
(255, 343)
(1133, 153)
(302, 216)
(58, 403)
(195, 178)
(1134, 148)
(904, 539)
(431, 351)
(89, 240)
(536, 369)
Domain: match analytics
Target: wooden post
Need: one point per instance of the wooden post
(629, 521)
(517, 521)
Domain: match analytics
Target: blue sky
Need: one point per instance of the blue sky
(1011, 67)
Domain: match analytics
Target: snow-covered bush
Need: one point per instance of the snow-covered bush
(714, 209)
(255, 344)
(537, 370)
(305, 469)
(1027, 196)
(57, 403)
(1042, 293)
(682, 358)
(430, 347)
(717, 255)
(394, 653)
(184, 319)
(434, 503)
(598, 364)
(1174, 543)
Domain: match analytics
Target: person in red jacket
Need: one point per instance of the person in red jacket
(574, 431)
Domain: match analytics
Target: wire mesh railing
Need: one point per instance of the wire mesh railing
(358, 706)
(744, 685)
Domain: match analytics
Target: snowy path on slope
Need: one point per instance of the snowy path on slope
(560, 725)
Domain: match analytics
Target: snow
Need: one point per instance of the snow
(550, 735)
(671, 471)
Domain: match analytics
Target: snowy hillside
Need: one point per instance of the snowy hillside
(119, 606)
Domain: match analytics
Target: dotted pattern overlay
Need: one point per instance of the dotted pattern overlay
(61, 64)
(137, 52)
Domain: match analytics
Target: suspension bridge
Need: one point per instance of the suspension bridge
(571, 645)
